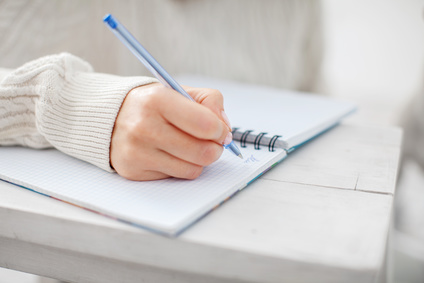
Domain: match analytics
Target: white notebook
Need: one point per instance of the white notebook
(170, 206)
(166, 206)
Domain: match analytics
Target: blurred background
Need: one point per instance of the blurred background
(367, 51)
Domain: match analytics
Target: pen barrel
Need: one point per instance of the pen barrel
(143, 55)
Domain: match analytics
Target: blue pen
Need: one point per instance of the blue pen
(141, 53)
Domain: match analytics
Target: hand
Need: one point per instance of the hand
(159, 133)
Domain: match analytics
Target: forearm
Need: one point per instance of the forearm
(59, 101)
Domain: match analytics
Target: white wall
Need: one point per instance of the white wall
(374, 54)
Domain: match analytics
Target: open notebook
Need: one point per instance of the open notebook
(170, 206)
(288, 118)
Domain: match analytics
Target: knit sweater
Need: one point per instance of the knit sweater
(58, 101)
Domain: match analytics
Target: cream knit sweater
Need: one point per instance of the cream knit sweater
(58, 101)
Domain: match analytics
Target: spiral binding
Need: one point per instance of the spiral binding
(257, 140)
(244, 137)
(272, 142)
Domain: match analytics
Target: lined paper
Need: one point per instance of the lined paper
(165, 206)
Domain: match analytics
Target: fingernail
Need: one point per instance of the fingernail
(228, 138)
(225, 117)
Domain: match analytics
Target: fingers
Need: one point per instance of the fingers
(212, 99)
(188, 148)
(192, 118)
(160, 165)
(175, 167)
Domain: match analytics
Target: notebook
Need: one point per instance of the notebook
(288, 118)
(170, 206)
(166, 206)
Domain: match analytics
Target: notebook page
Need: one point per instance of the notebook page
(296, 116)
(166, 206)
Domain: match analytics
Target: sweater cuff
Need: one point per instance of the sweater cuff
(81, 119)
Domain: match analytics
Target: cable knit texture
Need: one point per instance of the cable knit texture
(58, 101)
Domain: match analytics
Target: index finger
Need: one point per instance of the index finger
(193, 118)
(212, 99)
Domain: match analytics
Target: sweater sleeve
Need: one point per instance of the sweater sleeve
(58, 101)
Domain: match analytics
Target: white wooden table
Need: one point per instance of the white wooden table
(322, 215)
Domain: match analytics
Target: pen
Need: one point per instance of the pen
(152, 65)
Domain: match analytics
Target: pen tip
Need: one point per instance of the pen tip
(241, 156)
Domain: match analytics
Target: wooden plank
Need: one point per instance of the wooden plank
(346, 157)
(267, 233)
(70, 266)
(83, 268)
